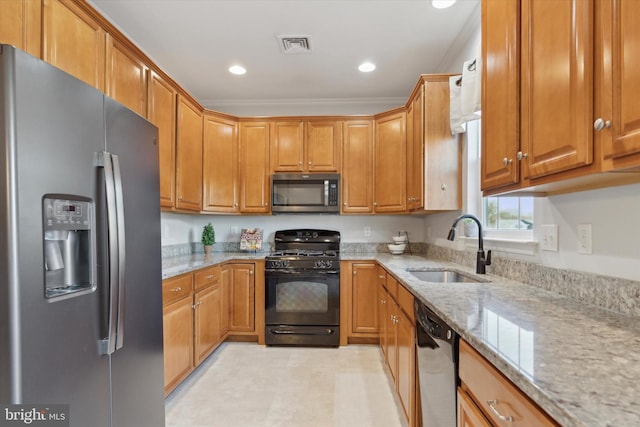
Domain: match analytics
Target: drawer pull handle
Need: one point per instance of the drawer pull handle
(491, 404)
(209, 276)
(178, 289)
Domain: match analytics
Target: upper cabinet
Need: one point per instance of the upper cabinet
(74, 41)
(558, 106)
(220, 163)
(126, 77)
(189, 156)
(390, 160)
(21, 23)
(254, 167)
(162, 113)
(357, 167)
(299, 146)
(617, 112)
(442, 150)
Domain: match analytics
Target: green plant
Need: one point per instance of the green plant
(208, 235)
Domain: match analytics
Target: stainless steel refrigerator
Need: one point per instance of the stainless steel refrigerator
(80, 260)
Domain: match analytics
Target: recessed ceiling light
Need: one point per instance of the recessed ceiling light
(237, 70)
(367, 67)
(442, 4)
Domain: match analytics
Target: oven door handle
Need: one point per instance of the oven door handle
(299, 272)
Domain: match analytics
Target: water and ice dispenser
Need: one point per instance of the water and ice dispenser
(68, 248)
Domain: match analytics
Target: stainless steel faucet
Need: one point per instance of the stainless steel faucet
(481, 260)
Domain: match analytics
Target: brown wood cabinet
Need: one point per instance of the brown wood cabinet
(207, 321)
(242, 297)
(415, 151)
(189, 156)
(398, 344)
(298, 146)
(381, 277)
(177, 315)
(126, 77)
(162, 113)
(493, 394)
(468, 413)
(74, 41)
(554, 82)
(20, 24)
(390, 151)
(359, 300)
(220, 163)
(254, 167)
(357, 167)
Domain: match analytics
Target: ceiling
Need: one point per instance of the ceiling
(196, 41)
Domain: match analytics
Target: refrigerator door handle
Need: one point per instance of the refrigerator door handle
(108, 344)
(117, 181)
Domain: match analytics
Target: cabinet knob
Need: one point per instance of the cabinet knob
(345, 203)
(355, 272)
(600, 124)
(235, 205)
(522, 155)
(443, 187)
(506, 161)
(375, 203)
(300, 162)
(310, 163)
(250, 272)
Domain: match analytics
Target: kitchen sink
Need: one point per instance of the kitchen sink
(444, 276)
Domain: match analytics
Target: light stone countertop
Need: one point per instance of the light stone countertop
(580, 363)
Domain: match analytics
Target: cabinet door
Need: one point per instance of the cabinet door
(500, 93)
(390, 164)
(443, 151)
(287, 147)
(74, 41)
(364, 298)
(382, 309)
(20, 24)
(417, 150)
(392, 332)
(405, 379)
(621, 81)
(357, 167)
(189, 156)
(254, 167)
(178, 342)
(410, 165)
(162, 113)
(242, 317)
(557, 86)
(225, 299)
(468, 413)
(207, 317)
(220, 164)
(322, 147)
(126, 77)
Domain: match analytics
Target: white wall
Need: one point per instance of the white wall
(182, 228)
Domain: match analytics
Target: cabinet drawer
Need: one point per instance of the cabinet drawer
(176, 288)
(392, 286)
(405, 300)
(495, 394)
(206, 276)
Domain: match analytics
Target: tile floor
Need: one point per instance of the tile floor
(246, 385)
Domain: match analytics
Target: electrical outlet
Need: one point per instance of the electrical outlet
(367, 232)
(235, 230)
(549, 237)
(584, 239)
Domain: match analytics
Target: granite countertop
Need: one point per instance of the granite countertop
(580, 363)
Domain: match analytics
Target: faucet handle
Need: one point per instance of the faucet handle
(488, 260)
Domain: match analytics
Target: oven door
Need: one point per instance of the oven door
(299, 298)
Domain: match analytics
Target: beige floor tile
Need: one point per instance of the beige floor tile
(246, 385)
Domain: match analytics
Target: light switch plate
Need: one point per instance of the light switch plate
(549, 237)
(584, 239)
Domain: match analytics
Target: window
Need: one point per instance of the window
(506, 217)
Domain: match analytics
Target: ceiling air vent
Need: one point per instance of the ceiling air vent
(294, 44)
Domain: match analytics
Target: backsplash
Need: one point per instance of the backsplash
(620, 295)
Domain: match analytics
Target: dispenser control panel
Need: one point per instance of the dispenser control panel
(65, 214)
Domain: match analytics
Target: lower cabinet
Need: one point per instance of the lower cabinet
(398, 341)
(488, 398)
(192, 318)
(359, 297)
(242, 287)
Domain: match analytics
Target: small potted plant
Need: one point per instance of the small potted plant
(208, 238)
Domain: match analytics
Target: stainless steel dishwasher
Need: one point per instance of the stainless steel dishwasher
(437, 356)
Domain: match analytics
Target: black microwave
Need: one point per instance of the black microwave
(305, 193)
